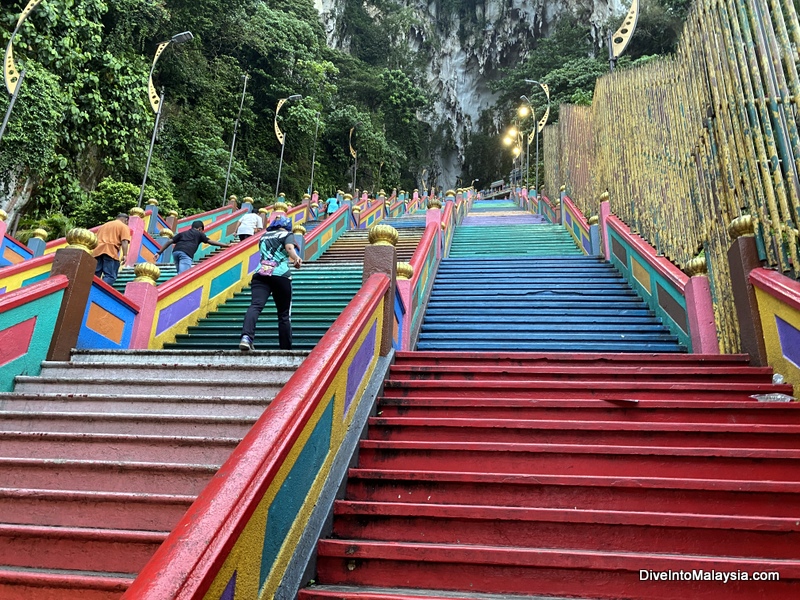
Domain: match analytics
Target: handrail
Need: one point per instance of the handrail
(777, 285)
(228, 208)
(24, 295)
(186, 564)
(318, 230)
(418, 259)
(576, 212)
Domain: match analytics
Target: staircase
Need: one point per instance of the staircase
(519, 475)
(101, 456)
(350, 246)
(522, 286)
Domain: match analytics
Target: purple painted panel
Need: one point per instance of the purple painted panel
(790, 341)
(587, 245)
(2, 290)
(253, 262)
(230, 589)
(356, 370)
(568, 217)
(178, 310)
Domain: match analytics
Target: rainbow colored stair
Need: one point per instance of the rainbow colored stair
(565, 475)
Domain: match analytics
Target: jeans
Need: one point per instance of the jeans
(108, 268)
(182, 261)
(281, 290)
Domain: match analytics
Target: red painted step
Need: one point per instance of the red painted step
(528, 358)
(642, 493)
(654, 411)
(25, 584)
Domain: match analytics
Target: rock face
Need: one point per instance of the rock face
(464, 52)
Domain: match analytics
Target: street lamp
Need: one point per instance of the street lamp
(524, 111)
(314, 155)
(233, 141)
(282, 136)
(354, 154)
(540, 125)
(472, 183)
(157, 101)
(13, 77)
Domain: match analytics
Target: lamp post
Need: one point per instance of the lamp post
(354, 154)
(13, 77)
(314, 155)
(540, 125)
(472, 183)
(525, 111)
(282, 137)
(157, 101)
(233, 141)
(622, 36)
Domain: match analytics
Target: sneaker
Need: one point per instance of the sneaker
(246, 344)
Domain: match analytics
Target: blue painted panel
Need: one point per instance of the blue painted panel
(285, 508)
(93, 340)
(399, 316)
(35, 278)
(224, 281)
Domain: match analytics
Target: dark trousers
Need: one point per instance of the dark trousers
(281, 290)
(107, 267)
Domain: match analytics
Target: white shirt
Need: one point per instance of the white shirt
(249, 223)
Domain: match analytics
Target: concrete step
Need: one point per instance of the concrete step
(133, 374)
(170, 358)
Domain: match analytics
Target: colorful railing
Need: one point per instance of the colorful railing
(415, 292)
(370, 216)
(25, 273)
(108, 321)
(546, 209)
(13, 252)
(448, 228)
(778, 300)
(324, 235)
(231, 542)
(208, 217)
(576, 224)
(27, 321)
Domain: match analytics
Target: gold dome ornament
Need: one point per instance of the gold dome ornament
(263, 210)
(152, 202)
(280, 205)
(40, 234)
(404, 270)
(356, 210)
(167, 233)
(744, 226)
(434, 203)
(696, 266)
(173, 213)
(3, 215)
(136, 211)
(82, 239)
(594, 220)
(348, 197)
(450, 194)
(563, 188)
(146, 273)
(299, 230)
(306, 197)
(383, 235)
(232, 198)
(604, 196)
(248, 199)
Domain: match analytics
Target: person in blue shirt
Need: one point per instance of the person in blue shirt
(273, 276)
(333, 205)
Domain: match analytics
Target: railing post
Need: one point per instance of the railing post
(743, 258)
(143, 292)
(381, 257)
(434, 215)
(37, 242)
(136, 224)
(594, 235)
(78, 265)
(605, 211)
(152, 206)
(299, 232)
(700, 308)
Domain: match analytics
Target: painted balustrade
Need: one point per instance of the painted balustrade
(108, 321)
(231, 540)
(576, 225)
(546, 209)
(25, 273)
(12, 252)
(208, 217)
(448, 227)
(27, 322)
(371, 216)
(319, 240)
(414, 292)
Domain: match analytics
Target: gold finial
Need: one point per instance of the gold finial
(173, 213)
(416, 190)
(450, 194)
(306, 196)
(434, 203)
(263, 210)
(315, 204)
(340, 193)
(40, 233)
(316, 192)
(136, 211)
(248, 199)
(3, 215)
(404, 270)
(299, 230)
(381, 193)
(152, 202)
(604, 196)
(443, 225)
(356, 209)
(232, 198)
(382, 235)
(281, 195)
(402, 192)
(280, 206)
(744, 226)
(83, 239)
(696, 266)
(167, 233)
(594, 220)
(146, 273)
(348, 196)
(563, 188)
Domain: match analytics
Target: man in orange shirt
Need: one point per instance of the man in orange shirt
(110, 238)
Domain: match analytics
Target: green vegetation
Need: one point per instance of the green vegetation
(79, 134)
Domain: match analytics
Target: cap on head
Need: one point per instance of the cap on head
(280, 223)
(198, 225)
(122, 216)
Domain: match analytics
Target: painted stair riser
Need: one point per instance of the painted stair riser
(165, 425)
(479, 359)
(60, 586)
(604, 328)
(82, 550)
(623, 494)
(587, 530)
(156, 359)
(776, 465)
(598, 410)
(93, 510)
(187, 450)
(250, 408)
(36, 385)
(273, 376)
(578, 346)
(603, 578)
(128, 477)
(533, 433)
